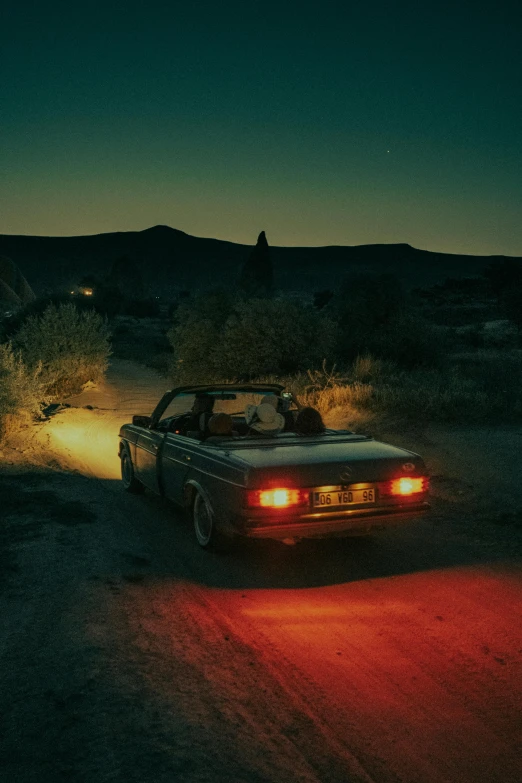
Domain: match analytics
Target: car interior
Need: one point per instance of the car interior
(234, 404)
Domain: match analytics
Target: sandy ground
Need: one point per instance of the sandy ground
(128, 654)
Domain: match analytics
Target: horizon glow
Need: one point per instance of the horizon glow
(322, 127)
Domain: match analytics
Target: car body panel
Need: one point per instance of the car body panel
(148, 445)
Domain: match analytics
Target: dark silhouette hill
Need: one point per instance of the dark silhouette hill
(171, 260)
(14, 288)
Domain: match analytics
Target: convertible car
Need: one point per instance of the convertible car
(285, 486)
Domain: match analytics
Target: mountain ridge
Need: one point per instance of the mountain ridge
(171, 260)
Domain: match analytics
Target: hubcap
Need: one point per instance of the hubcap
(202, 520)
(126, 470)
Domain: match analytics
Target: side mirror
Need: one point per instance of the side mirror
(142, 421)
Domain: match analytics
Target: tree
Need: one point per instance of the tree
(274, 336)
(195, 336)
(216, 336)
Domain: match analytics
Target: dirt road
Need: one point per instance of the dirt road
(128, 654)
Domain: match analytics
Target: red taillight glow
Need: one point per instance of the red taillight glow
(276, 498)
(404, 486)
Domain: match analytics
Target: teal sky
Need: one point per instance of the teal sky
(314, 121)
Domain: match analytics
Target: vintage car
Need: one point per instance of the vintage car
(286, 486)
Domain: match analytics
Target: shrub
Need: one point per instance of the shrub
(375, 317)
(72, 347)
(35, 308)
(196, 334)
(20, 390)
(265, 336)
(218, 337)
(379, 393)
(410, 341)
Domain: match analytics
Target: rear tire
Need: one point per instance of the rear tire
(130, 482)
(205, 530)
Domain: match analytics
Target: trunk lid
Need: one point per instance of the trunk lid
(331, 460)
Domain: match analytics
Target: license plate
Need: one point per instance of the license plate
(344, 497)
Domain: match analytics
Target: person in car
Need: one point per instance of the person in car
(220, 427)
(196, 424)
(282, 406)
(264, 420)
(309, 422)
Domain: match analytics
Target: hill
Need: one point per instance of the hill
(171, 259)
(14, 288)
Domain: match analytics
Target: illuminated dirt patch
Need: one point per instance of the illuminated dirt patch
(84, 437)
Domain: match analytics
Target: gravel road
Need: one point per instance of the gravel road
(129, 654)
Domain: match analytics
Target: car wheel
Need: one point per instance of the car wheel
(130, 482)
(207, 534)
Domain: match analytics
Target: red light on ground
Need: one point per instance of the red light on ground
(277, 498)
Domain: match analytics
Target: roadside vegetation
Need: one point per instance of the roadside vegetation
(51, 354)
(20, 391)
(375, 393)
(366, 354)
(370, 355)
(71, 347)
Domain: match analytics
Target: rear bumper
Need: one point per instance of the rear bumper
(321, 524)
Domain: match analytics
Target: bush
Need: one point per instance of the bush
(475, 391)
(410, 341)
(265, 336)
(219, 337)
(20, 390)
(72, 347)
(375, 317)
(195, 336)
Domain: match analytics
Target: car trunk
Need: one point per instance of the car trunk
(328, 462)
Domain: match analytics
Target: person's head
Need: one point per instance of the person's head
(264, 418)
(309, 422)
(220, 424)
(270, 399)
(203, 404)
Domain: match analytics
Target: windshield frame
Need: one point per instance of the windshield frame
(257, 388)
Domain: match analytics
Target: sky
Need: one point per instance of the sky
(322, 123)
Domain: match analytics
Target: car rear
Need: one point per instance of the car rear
(335, 486)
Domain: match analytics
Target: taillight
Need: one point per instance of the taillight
(404, 486)
(277, 498)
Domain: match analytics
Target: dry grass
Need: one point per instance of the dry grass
(20, 392)
(378, 394)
